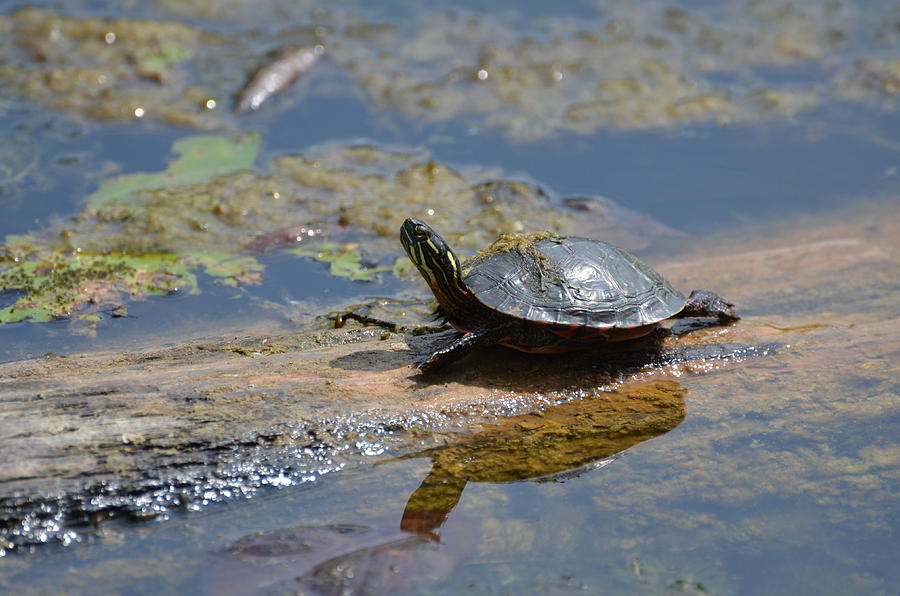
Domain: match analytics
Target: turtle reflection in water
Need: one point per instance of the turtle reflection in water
(382, 558)
(545, 293)
(557, 442)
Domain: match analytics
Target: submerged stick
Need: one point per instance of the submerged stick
(276, 76)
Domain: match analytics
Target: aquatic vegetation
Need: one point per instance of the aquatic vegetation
(634, 66)
(109, 69)
(876, 78)
(631, 66)
(57, 285)
(343, 259)
(198, 158)
(84, 268)
(213, 209)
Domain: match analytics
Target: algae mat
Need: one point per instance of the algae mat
(152, 233)
(646, 65)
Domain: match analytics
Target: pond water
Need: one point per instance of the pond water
(758, 121)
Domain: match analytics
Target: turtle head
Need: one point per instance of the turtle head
(434, 260)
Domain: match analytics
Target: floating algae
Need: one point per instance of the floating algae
(629, 66)
(215, 210)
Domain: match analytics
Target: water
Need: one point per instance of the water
(780, 479)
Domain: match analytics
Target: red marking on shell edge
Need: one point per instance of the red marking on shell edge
(580, 338)
(552, 349)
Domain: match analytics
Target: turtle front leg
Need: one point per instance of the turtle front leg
(703, 303)
(462, 345)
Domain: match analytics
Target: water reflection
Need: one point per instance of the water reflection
(543, 445)
(379, 557)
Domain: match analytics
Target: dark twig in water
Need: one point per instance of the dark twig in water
(276, 76)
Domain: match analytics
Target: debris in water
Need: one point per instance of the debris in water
(278, 75)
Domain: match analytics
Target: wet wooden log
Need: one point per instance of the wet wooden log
(113, 418)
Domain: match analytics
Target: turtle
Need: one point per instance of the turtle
(544, 293)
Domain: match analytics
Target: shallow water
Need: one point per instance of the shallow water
(781, 477)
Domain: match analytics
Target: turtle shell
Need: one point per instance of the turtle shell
(572, 282)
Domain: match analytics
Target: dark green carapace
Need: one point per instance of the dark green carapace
(545, 293)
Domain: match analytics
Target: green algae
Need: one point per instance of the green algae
(347, 264)
(59, 285)
(81, 269)
(524, 244)
(372, 191)
(229, 269)
(198, 158)
(344, 260)
(520, 243)
(214, 209)
(158, 60)
(632, 66)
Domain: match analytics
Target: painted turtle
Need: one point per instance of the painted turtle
(545, 293)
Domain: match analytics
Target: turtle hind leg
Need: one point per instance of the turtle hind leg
(703, 303)
(463, 344)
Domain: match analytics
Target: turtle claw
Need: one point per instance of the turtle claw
(429, 363)
(424, 365)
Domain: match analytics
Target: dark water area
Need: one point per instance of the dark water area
(766, 487)
(709, 179)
